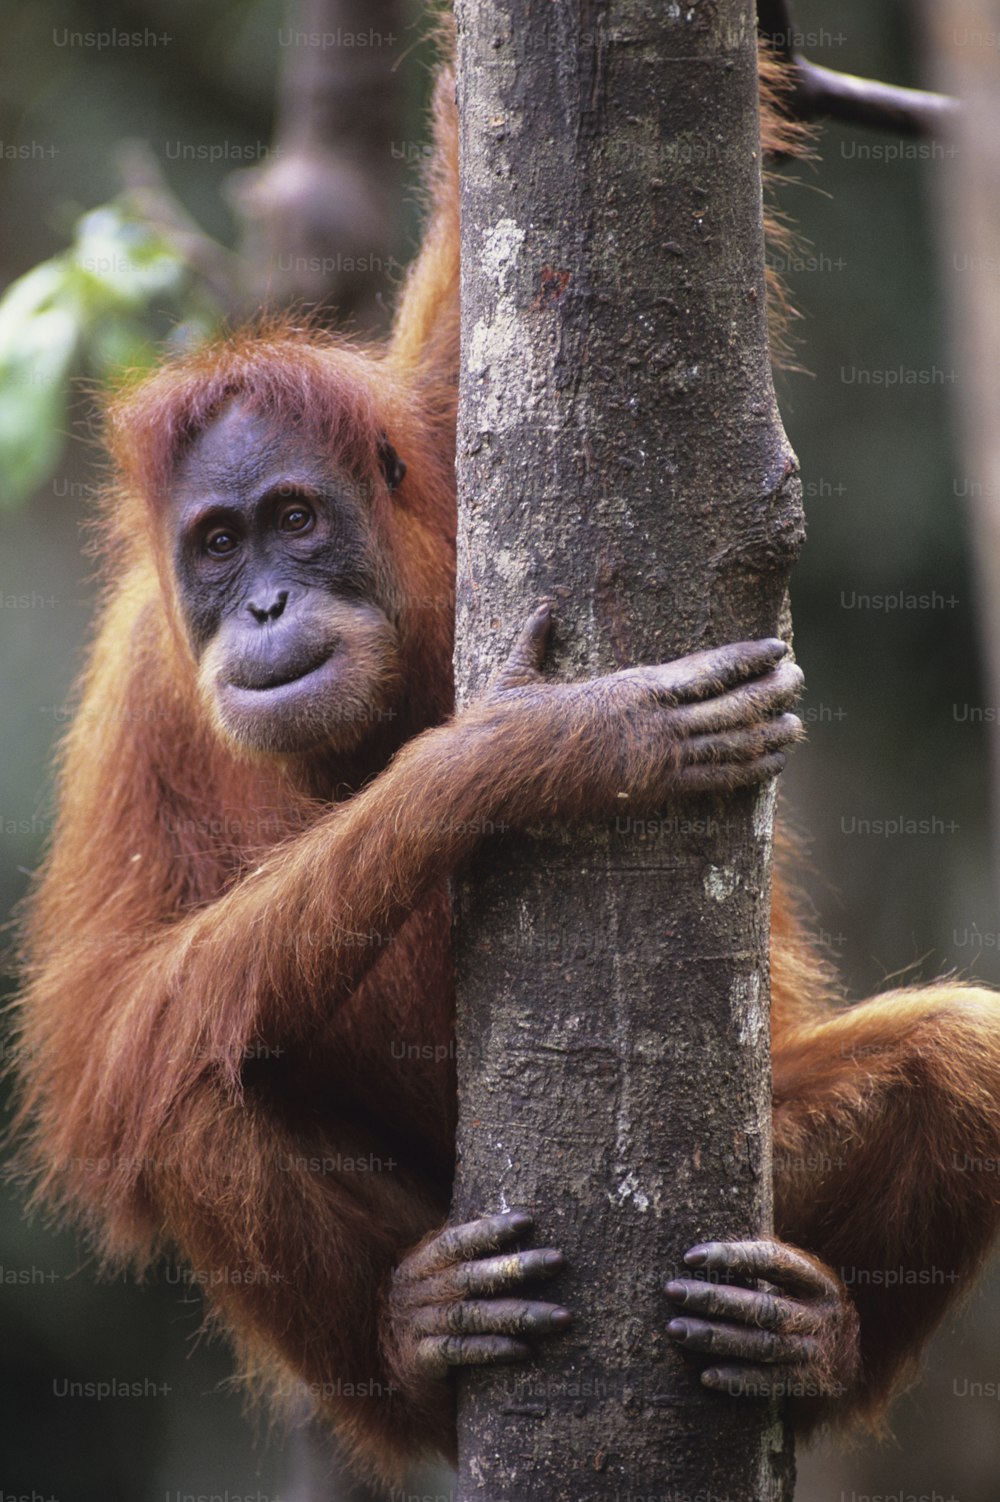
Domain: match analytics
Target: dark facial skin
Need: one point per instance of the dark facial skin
(273, 555)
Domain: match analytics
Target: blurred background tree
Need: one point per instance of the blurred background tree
(220, 160)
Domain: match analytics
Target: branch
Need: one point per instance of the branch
(152, 200)
(865, 101)
(818, 91)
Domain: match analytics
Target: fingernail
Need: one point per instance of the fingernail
(560, 1318)
(675, 1291)
(677, 1328)
(554, 1259)
(695, 1257)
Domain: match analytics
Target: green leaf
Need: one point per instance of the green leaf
(34, 373)
(124, 264)
(85, 307)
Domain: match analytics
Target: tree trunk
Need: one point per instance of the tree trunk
(962, 58)
(318, 214)
(620, 450)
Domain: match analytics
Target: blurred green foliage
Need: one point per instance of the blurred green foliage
(84, 312)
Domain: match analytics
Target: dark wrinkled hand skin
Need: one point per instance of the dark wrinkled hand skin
(457, 1299)
(707, 723)
(797, 1338)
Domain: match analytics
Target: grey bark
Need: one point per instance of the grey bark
(620, 450)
